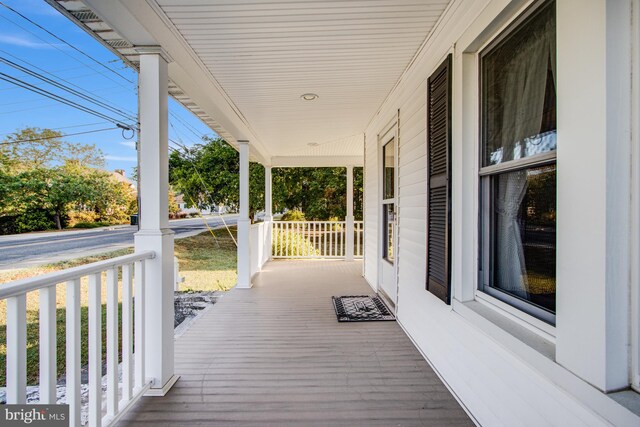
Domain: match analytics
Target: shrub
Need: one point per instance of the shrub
(289, 243)
(293, 215)
(34, 220)
(90, 224)
(335, 227)
(78, 217)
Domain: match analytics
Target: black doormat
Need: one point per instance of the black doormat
(361, 308)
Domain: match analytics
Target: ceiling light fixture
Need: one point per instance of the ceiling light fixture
(309, 96)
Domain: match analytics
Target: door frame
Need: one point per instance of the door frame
(389, 132)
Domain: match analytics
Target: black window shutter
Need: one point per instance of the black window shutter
(438, 182)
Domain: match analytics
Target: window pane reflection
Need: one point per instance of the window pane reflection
(388, 167)
(524, 235)
(389, 231)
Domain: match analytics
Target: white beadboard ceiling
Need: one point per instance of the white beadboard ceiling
(244, 63)
(265, 54)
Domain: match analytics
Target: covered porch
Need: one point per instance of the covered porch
(275, 355)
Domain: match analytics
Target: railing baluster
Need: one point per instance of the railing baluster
(330, 240)
(287, 245)
(112, 342)
(305, 233)
(344, 239)
(139, 324)
(324, 239)
(48, 362)
(315, 239)
(127, 333)
(297, 239)
(95, 349)
(73, 350)
(17, 349)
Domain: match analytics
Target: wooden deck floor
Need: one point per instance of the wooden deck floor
(275, 355)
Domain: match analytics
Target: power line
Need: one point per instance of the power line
(193, 164)
(65, 127)
(50, 73)
(62, 51)
(66, 88)
(55, 137)
(50, 95)
(187, 126)
(64, 41)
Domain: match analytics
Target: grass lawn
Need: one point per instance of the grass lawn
(206, 262)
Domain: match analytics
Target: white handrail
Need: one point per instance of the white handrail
(314, 239)
(120, 392)
(23, 286)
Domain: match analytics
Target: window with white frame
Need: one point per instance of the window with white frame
(518, 164)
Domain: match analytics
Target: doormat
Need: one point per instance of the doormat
(361, 308)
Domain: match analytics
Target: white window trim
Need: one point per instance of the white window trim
(635, 205)
(469, 61)
(532, 323)
(388, 132)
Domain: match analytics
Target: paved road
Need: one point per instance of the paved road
(31, 249)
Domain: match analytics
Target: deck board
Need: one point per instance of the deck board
(275, 355)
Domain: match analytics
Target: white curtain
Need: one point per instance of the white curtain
(525, 84)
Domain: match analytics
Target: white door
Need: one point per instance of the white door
(388, 215)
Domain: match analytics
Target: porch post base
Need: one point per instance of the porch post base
(161, 391)
(348, 253)
(158, 304)
(244, 254)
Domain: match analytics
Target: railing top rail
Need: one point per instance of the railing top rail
(19, 287)
(310, 222)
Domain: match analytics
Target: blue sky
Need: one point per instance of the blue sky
(25, 44)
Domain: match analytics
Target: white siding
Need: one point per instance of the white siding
(500, 377)
(370, 209)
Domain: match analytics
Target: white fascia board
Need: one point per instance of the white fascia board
(142, 23)
(316, 161)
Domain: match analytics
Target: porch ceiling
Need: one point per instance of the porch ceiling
(245, 63)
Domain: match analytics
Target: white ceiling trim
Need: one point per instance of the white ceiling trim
(316, 161)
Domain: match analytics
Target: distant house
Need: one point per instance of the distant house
(121, 176)
(183, 207)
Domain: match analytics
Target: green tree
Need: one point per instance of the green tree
(53, 190)
(112, 200)
(173, 206)
(33, 148)
(318, 192)
(209, 174)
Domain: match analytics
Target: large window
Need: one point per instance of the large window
(518, 164)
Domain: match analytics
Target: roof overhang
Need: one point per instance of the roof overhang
(241, 66)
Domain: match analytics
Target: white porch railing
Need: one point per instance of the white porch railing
(259, 246)
(314, 239)
(120, 391)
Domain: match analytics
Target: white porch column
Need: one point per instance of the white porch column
(268, 209)
(244, 223)
(349, 219)
(154, 234)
